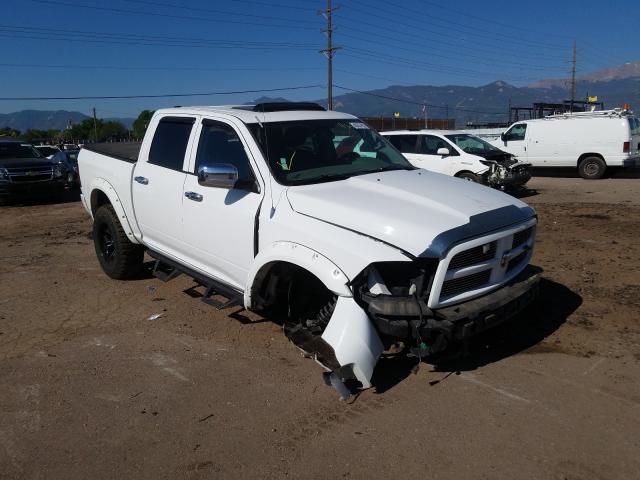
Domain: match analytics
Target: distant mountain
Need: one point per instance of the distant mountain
(615, 87)
(489, 103)
(40, 119)
(46, 120)
(621, 72)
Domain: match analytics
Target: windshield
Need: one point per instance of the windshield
(471, 144)
(46, 151)
(18, 150)
(313, 151)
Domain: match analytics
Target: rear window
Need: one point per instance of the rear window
(634, 124)
(170, 141)
(404, 143)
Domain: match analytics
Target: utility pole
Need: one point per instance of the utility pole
(95, 126)
(573, 76)
(329, 51)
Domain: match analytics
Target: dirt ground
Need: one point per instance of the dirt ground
(90, 388)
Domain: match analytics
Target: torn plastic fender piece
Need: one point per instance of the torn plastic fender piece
(354, 339)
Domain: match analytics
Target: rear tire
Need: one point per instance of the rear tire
(592, 168)
(118, 256)
(470, 177)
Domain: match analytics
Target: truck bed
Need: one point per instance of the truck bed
(127, 151)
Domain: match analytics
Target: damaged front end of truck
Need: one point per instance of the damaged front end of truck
(425, 304)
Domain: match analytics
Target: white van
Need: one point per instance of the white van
(590, 141)
(460, 155)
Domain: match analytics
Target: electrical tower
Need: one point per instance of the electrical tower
(329, 51)
(573, 76)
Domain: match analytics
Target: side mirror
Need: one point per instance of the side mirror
(219, 175)
(503, 136)
(443, 152)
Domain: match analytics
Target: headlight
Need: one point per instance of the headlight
(57, 171)
(4, 174)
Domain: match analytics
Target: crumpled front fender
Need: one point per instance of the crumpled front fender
(354, 339)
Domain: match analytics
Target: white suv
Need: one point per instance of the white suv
(460, 155)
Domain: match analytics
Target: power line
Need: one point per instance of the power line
(433, 54)
(149, 37)
(145, 43)
(429, 69)
(408, 35)
(417, 103)
(271, 5)
(447, 29)
(175, 67)
(166, 95)
(196, 9)
(448, 68)
(166, 15)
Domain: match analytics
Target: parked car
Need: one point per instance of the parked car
(460, 155)
(68, 160)
(588, 141)
(47, 150)
(25, 172)
(352, 252)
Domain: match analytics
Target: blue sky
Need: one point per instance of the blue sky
(59, 48)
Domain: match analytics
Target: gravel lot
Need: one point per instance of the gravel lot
(92, 389)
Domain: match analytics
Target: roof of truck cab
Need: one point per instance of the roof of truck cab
(248, 116)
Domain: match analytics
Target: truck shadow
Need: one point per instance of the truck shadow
(555, 304)
(68, 196)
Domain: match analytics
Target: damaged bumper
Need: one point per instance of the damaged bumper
(515, 175)
(406, 318)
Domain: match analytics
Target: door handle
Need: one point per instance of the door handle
(142, 180)
(196, 197)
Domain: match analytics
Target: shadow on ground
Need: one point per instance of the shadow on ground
(561, 172)
(67, 196)
(554, 305)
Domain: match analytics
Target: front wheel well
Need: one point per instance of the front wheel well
(292, 293)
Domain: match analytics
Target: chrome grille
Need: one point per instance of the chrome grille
(463, 284)
(473, 256)
(478, 268)
(30, 174)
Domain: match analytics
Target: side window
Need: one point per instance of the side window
(219, 143)
(517, 132)
(431, 144)
(404, 143)
(169, 143)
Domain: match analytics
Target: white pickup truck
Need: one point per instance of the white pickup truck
(352, 253)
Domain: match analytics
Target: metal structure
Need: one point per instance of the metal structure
(543, 109)
(396, 123)
(329, 51)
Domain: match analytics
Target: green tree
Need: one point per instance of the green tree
(141, 123)
(9, 132)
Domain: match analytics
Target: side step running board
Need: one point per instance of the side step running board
(166, 269)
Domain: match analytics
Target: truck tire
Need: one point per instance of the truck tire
(471, 177)
(592, 168)
(118, 256)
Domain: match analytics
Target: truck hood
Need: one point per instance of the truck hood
(422, 213)
(26, 162)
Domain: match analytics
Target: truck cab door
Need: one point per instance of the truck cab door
(219, 221)
(157, 187)
(514, 141)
